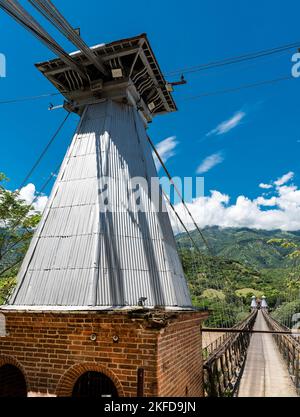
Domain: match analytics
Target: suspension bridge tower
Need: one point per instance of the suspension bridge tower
(253, 303)
(102, 307)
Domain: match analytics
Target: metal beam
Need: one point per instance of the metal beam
(155, 82)
(84, 63)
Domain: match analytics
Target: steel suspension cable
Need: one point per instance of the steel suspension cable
(235, 59)
(52, 14)
(179, 193)
(181, 222)
(20, 218)
(21, 239)
(238, 88)
(44, 151)
(18, 13)
(28, 98)
(220, 284)
(184, 99)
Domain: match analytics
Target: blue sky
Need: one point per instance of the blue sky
(262, 146)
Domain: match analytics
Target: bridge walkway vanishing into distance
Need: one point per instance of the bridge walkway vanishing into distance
(265, 373)
(256, 358)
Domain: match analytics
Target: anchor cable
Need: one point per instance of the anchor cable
(179, 194)
(43, 153)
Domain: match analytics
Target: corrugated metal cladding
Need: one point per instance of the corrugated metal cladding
(82, 255)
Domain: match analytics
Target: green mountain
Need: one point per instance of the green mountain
(248, 246)
(241, 263)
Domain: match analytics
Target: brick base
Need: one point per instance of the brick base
(53, 349)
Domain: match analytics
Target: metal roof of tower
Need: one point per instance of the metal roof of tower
(129, 61)
(84, 255)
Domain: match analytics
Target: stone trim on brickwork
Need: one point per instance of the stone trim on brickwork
(69, 378)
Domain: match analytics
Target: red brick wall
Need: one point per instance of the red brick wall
(180, 370)
(54, 349)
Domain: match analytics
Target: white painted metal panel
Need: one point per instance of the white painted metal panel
(82, 254)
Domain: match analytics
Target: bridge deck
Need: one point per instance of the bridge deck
(265, 373)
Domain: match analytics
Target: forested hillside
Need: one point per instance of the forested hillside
(243, 262)
(248, 246)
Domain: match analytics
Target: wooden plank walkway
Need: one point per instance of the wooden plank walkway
(265, 373)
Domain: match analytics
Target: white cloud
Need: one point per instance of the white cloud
(209, 162)
(284, 179)
(268, 202)
(166, 149)
(280, 211)
(28, 193)
(228, 125)
(265, 186)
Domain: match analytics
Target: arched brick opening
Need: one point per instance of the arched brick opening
(93, 384)
(68, 380)
(13, 381)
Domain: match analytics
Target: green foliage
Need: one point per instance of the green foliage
(247, 246)
(247, 293)
(6, 287)
(284, 243)
(246, 262)
(239, 277)
(213, 282)
(295, 254)
(288, 244)
(285, 312)
(210, 293)
(17, 223)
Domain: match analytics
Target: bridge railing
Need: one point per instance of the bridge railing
(213, 346)
(289, 348)
(209, 349)
(224, 364)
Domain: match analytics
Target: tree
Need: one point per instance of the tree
(285, 312)
(292, 282)
(18, 221)
(288, 244)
